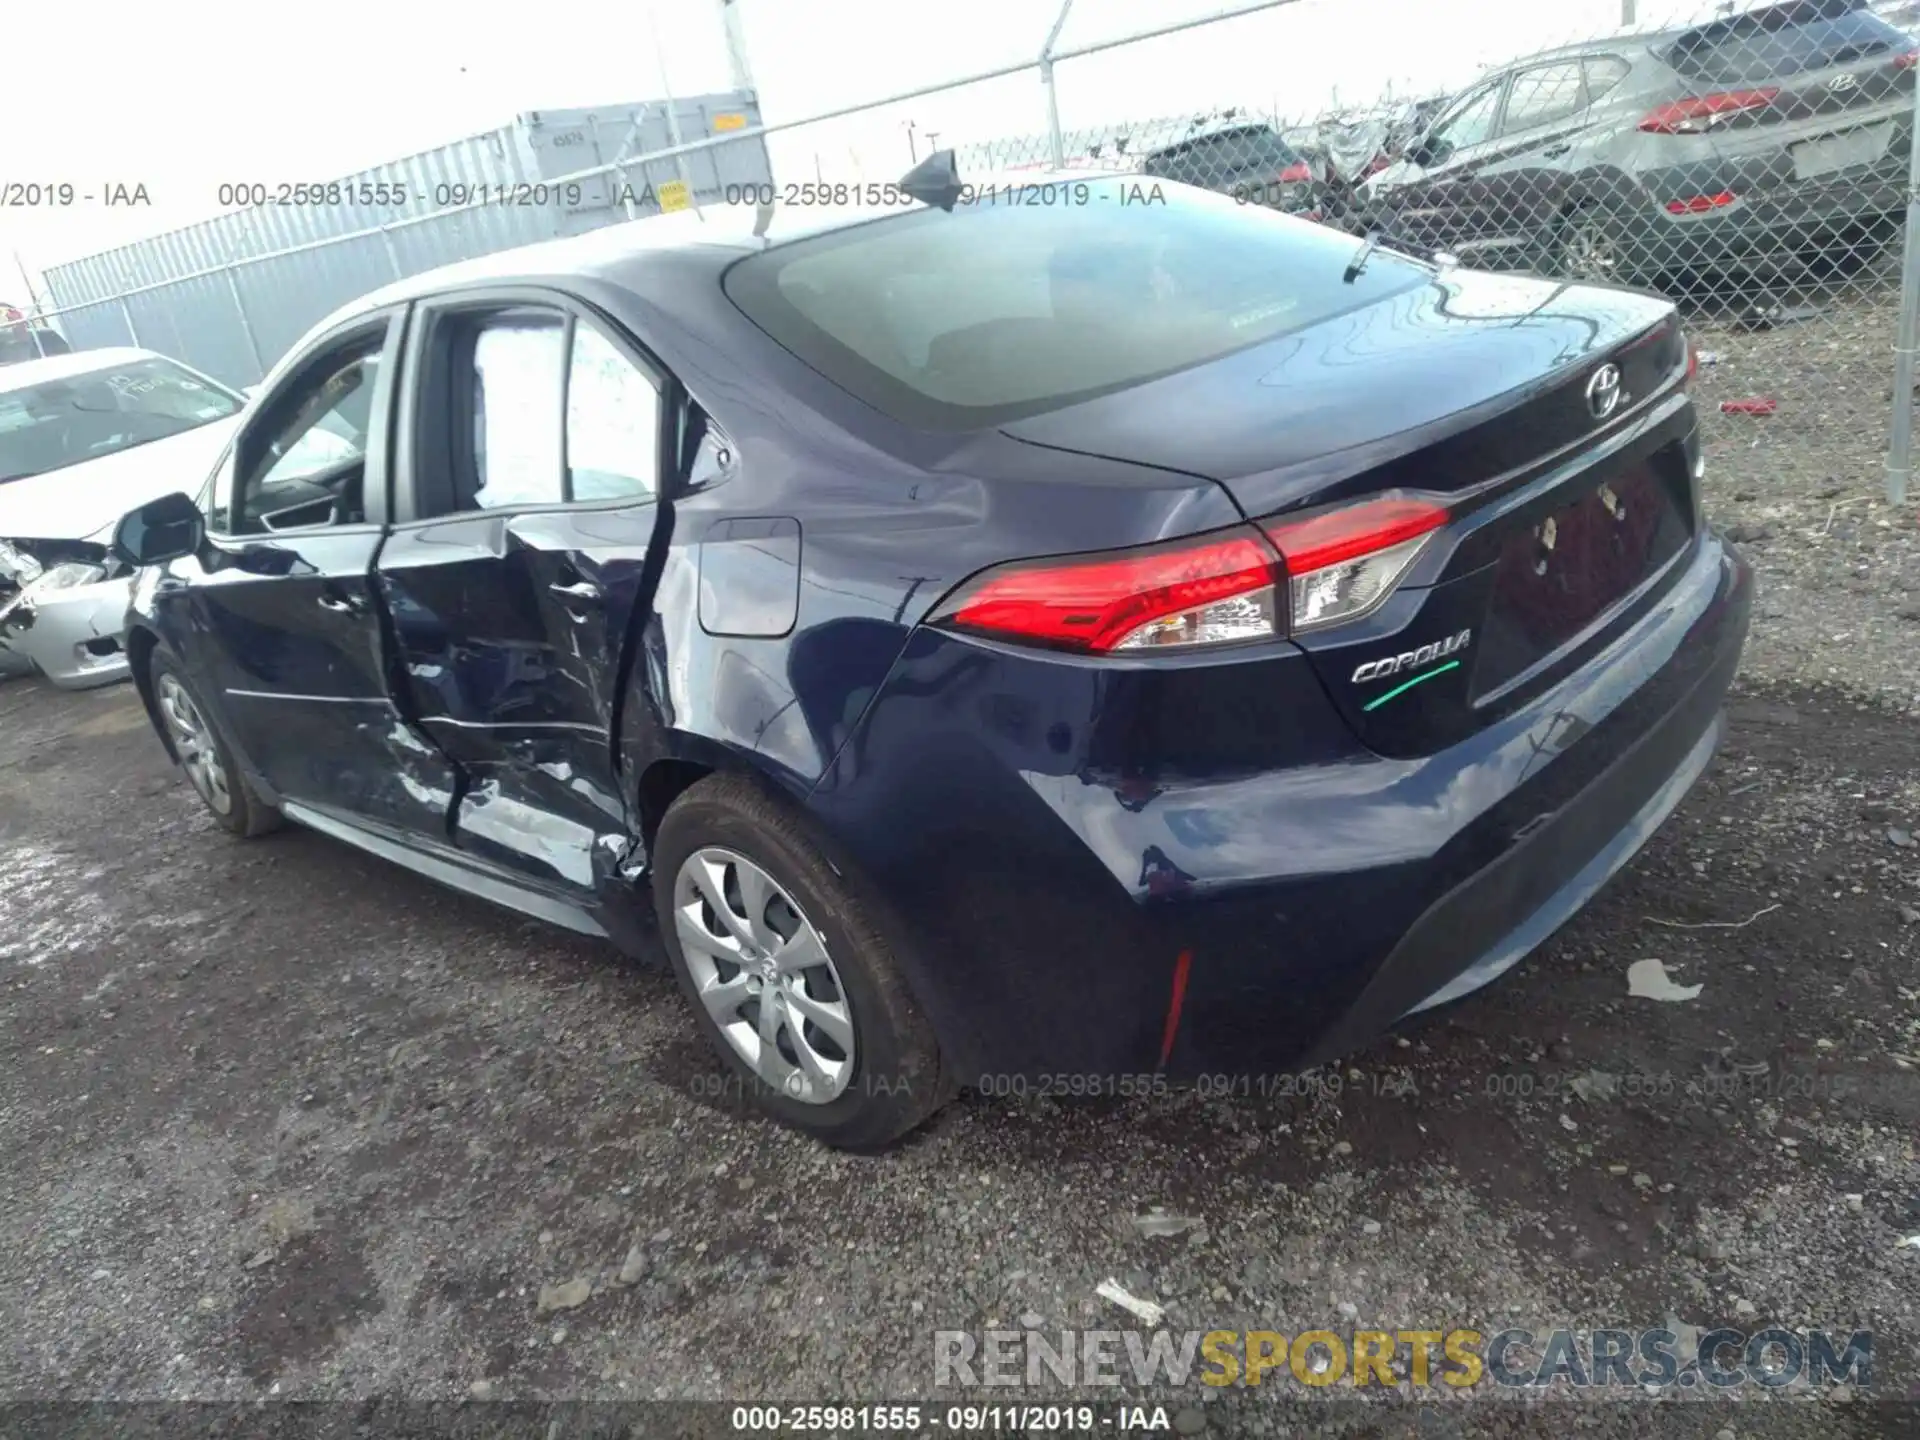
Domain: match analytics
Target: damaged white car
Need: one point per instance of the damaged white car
(85, 438)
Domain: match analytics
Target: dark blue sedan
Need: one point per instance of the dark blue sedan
(1090, 636)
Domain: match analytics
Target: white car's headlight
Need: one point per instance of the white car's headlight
(17, 565)
(66, 576)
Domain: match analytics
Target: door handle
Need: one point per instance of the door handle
(339, 604)
(582, 593)
(1555, 152)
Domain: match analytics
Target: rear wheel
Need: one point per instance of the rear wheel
(788, 973)
(204, 756)
(1586, 247)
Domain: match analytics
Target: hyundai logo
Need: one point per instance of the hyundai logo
(1603, 391)
(1843, 82)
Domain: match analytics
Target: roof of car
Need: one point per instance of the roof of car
(23, 373)
(1226, 130)
(1650, 38)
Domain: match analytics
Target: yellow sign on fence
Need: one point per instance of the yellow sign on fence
(674, 195)
(730, 122)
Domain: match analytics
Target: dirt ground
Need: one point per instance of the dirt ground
(277, 1118)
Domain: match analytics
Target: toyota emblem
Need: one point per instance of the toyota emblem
(1603, 391)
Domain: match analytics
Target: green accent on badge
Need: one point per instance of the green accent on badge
(1375, 704)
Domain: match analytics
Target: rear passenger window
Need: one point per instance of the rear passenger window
(515, 409)
(1603, 73)
(1543, 95)
(544, 411)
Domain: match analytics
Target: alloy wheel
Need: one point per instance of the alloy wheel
(193, 742)
(762, 971)
(1587, 252)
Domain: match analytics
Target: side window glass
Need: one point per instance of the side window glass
(1470, 123)
(1603, 73)
(308, 466)
(613, 423)
(513, 395)
(1544, 95)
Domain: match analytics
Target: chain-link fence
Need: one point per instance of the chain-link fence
(1753, 162)
(1756, 166)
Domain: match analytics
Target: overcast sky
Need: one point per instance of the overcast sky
(245, 94)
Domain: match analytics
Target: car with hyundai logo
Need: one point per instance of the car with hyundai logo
(1770, 144)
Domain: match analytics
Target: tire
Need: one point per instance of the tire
(229, 797)
(723, 830)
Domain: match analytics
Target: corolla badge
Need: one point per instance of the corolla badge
(1412, 659)
(1603, 391)
(1843, 82)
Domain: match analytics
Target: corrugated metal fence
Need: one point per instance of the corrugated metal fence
(230, 294)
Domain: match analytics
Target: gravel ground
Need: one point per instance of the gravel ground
(281, 1119)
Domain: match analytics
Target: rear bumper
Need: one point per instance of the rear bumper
(73, 635)
(1785, 227)
(1568, 790)
(1295, 911)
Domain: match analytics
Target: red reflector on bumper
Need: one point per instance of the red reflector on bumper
(1699, 203)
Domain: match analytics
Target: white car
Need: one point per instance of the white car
(85, 438)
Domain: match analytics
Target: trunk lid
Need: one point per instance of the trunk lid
(1567, 521)
(1441, 387)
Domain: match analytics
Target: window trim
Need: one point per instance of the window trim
(376, 483)
(415, 408)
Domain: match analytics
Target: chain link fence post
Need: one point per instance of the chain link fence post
(1900, 442)
(246, 322)
(126, 314)
(1054, 138)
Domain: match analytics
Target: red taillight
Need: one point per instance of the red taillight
(1907, 61)
(1699, 113)
(1347, 534)
(1216, 589)
(1297, 173)
(1693, 361)
(1342, 564)
(8, 313)
(1699, 204)
(1125, 599)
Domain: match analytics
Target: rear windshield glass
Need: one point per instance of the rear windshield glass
(1783, 40)
(1001, 310)
(1227, 153)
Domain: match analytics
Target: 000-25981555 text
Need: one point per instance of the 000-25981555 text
(246, 194)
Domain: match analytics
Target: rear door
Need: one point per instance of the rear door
(1444, 204)
(1525, 174)
(531, 443)
(284, 628)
